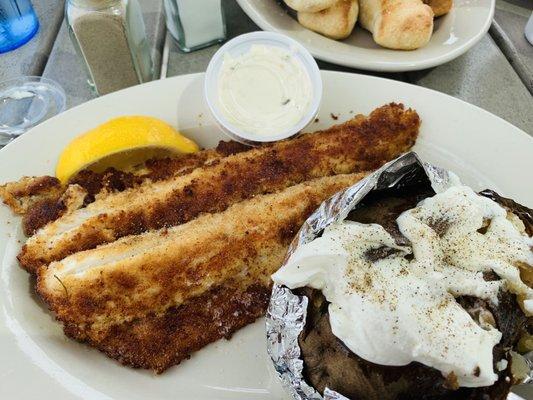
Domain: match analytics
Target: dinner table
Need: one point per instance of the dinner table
(496, 74)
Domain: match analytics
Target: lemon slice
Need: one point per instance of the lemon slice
(121, 143)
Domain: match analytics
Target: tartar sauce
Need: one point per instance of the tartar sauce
(400, 309)
(265, 91)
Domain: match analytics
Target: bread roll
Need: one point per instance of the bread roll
(310, 5)
(336, 22)
(397, 24)
(439, 7)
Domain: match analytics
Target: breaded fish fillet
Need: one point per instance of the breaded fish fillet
(43, 199)
(24, 193)
(152, 272)
(158, 342)
(360, 144)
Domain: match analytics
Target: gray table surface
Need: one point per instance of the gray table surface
(496, 74)
(31, 58)
(508, 32)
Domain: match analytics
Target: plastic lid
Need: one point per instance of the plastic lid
(241, 45)
(26, 102)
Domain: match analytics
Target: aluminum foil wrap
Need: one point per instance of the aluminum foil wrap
(286, 315)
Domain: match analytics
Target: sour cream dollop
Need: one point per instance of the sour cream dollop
(400, 308)
(265, 91)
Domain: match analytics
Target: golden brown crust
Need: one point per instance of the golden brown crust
(49, 206)
(26, 192)
(439, 7)
(149, 273)
(336, 22)
(357, 145)
(397, 24)
(405, 25)
(158, 342)
(228, 292)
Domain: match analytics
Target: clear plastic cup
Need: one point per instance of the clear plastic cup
(26, 102)
(241, 45)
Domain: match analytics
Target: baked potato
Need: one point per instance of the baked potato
(329, 363)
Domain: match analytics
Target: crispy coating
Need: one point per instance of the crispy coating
(21, 195)
(39, 199)
(113, 180)
(149, 273)
(50, 208)
(158, 342)
(357, 145)
(38, 211)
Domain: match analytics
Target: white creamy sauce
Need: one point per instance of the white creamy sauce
(265, 91)
(397, 310)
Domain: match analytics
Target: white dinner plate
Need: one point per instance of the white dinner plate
(453, 35)
(38, 361)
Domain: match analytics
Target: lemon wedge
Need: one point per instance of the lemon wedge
(121, 143)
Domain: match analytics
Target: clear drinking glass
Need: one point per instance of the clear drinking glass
(18, 23)
(195, 23)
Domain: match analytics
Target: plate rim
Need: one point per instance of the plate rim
(375, 66)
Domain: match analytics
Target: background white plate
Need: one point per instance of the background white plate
(39, 362)
(453, 35)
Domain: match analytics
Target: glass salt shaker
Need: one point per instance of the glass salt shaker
(110, 38)
(195, 24)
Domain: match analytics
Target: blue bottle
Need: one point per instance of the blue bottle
(18, 23)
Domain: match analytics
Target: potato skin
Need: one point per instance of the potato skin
(524, 213)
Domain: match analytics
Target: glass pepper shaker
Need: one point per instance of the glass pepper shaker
(110, 38)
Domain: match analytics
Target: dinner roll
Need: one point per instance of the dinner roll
(397, 24)
(336, 22)
(440, 7)
(310, 5)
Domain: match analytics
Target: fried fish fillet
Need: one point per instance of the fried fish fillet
(149, 273)
(43, 199)
(24, 193)
(361, 144)
(158, 342)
